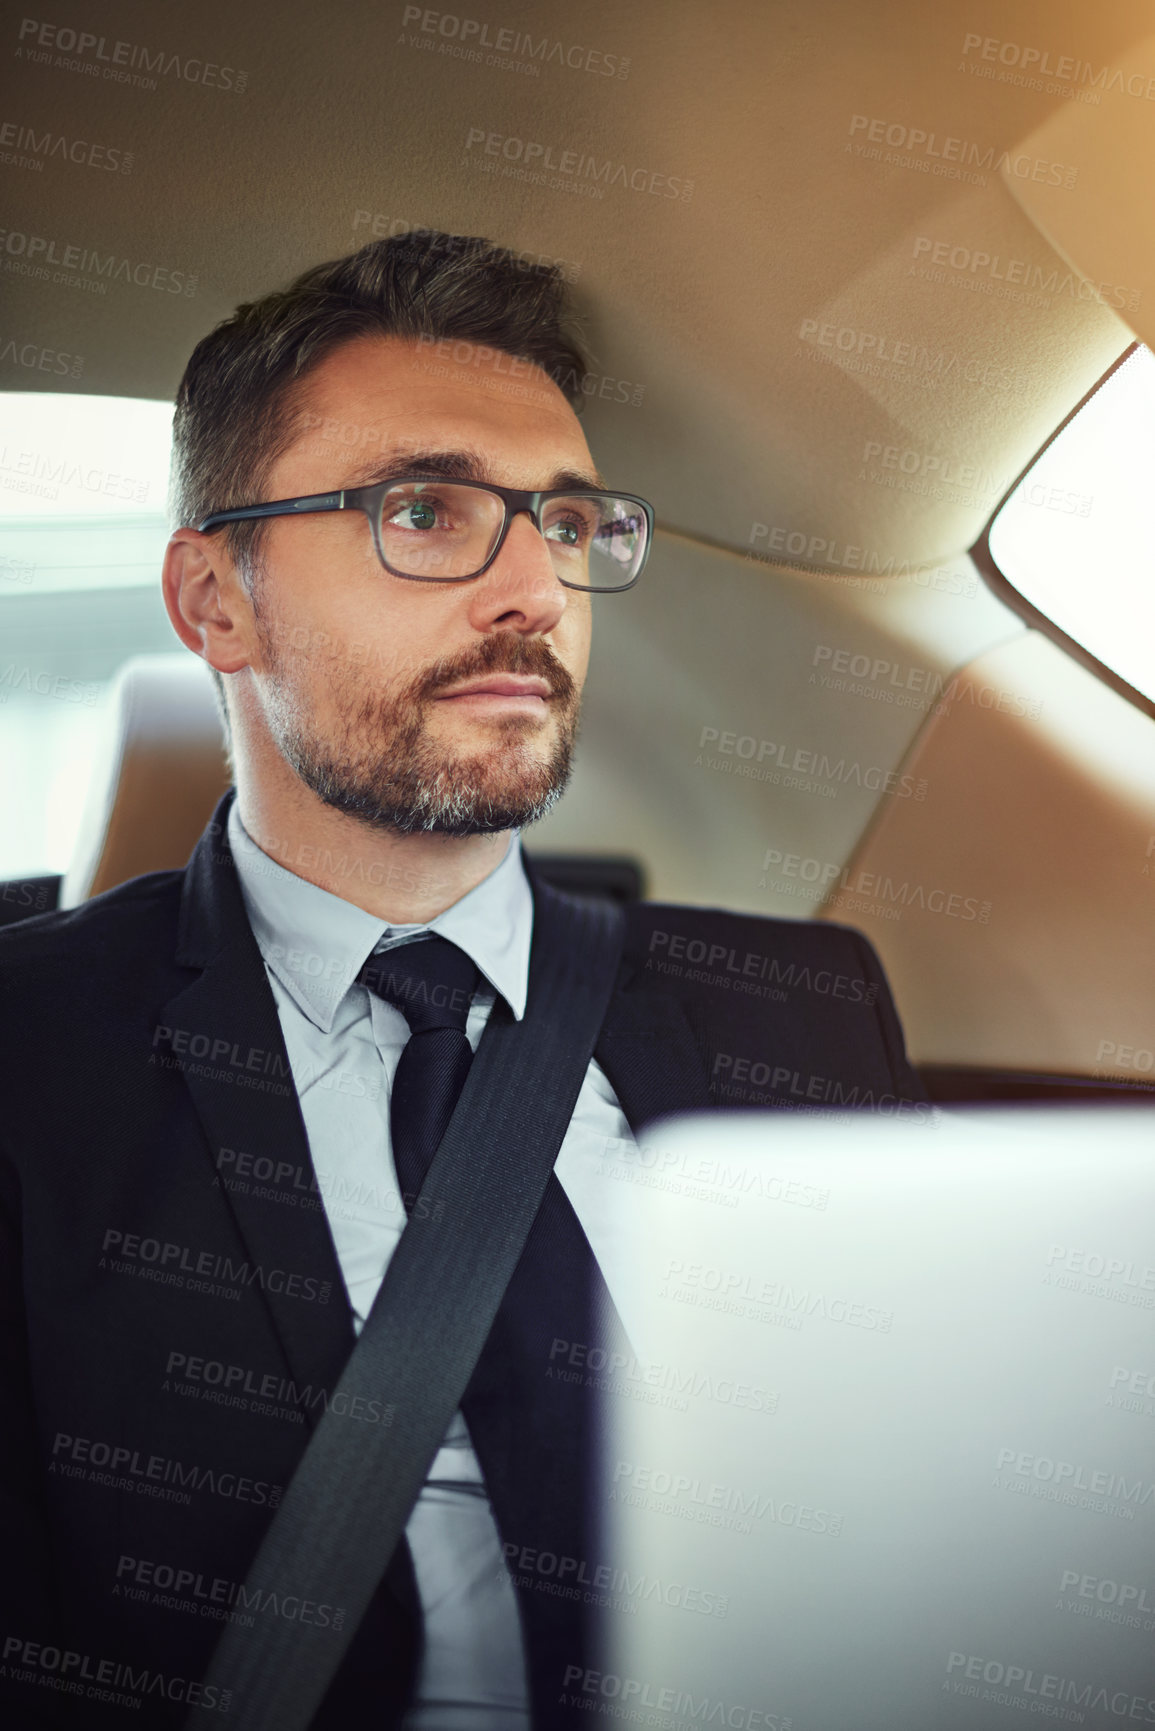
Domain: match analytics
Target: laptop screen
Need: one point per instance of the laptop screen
(882, 1457)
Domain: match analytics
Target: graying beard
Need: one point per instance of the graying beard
(419, 802)
(419, 799)
(459, 810)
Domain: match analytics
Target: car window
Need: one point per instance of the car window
(1076, 536)
(83, 524)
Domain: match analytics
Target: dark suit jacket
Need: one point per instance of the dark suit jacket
(165, 1335)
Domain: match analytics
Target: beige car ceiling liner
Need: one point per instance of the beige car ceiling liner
(757, 274)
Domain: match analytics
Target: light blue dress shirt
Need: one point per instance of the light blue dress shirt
(344, 1044)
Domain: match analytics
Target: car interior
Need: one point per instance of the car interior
(866, 291)
(843, 272)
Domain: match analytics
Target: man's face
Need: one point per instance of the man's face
(450, 707)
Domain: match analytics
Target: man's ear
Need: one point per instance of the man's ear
(210, 610)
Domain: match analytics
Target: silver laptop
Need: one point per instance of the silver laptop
(883, 1458)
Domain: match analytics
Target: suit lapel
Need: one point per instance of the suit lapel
(227, 1040)
(236, 1069)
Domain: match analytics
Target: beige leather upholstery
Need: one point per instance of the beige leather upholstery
(157, 779)
(1012, 907)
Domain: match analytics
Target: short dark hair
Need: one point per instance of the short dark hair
(232, 408)
(234, 405)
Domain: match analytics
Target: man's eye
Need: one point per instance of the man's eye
(420, 514)
(568, 532)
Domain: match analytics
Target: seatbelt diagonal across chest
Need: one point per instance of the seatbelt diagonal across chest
(353, 1491)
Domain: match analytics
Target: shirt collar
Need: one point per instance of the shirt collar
(316, 943)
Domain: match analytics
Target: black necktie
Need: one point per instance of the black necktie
(535, 1424)
(432, 983)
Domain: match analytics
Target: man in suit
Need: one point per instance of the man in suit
(202, 1173)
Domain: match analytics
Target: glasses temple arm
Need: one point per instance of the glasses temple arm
(275, 508)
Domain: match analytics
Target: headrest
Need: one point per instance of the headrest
(158, 774)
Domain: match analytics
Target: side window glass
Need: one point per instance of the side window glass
(1076, 536)
(83, 526)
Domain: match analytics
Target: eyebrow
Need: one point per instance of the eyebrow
(460, 466)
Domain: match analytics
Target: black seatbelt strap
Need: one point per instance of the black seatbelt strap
(347, 1504)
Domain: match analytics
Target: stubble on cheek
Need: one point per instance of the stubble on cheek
(374, 755)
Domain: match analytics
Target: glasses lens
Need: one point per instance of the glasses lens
(596, 540)
(435, 529)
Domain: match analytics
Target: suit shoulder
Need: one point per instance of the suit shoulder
(656, 927)
(114, 927)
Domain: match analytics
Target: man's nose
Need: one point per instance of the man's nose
(521, 590)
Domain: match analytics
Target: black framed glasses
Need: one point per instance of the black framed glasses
(452, 531)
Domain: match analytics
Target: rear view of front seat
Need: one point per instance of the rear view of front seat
(159, 771)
